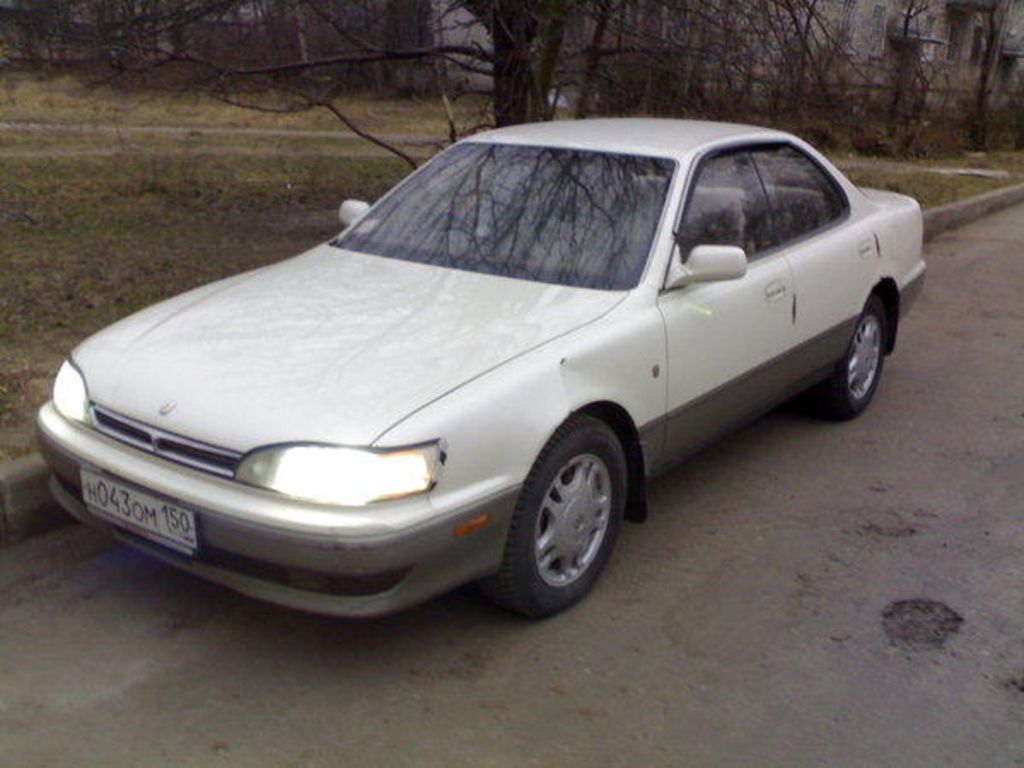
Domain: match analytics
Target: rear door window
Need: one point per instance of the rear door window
(803, 198)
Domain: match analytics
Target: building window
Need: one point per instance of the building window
(977, 45)
(956, 39)
(846, 25)
(878, 19)
(929, 35)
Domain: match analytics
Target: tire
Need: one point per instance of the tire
(555, 552)
(850, 389)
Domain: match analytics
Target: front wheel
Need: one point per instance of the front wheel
(565, 523)
(855, 379)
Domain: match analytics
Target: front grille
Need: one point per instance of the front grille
(192, 453)
(120, 428)
(189, 452)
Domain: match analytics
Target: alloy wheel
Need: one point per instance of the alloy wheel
(866, 353)
(573, 520)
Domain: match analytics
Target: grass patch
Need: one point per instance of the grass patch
(930, 189)
(1012, 162)
(32, 97)
(87, 240)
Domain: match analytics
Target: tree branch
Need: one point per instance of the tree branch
(333, 109)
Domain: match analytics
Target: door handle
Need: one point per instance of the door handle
(866, 249)
(775, 291)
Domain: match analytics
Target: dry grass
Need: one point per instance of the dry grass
(930, 189)
(1012, 162)
(28, 97)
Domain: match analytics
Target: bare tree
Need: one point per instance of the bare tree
(908, 89)
(996, 17)
(788, 61)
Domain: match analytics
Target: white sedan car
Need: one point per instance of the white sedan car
(476, 379)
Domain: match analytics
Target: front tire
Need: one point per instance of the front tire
(850, 389)
(565, 523)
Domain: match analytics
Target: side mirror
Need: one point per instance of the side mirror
(352, 211)
(708, 264)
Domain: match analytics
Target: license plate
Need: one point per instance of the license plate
(141, 513)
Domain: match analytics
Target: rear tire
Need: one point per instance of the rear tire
(848, 392)
(565, 523)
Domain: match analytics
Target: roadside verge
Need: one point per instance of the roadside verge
(27, 509)
(946, 217)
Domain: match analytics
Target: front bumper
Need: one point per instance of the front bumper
(346, 562)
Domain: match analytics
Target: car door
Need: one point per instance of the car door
(723, 336)
(832, 256)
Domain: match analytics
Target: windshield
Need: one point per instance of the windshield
(562, 216)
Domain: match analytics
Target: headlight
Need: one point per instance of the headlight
(69, 395)
(342, 476)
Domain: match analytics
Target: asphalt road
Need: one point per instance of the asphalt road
(742, 625)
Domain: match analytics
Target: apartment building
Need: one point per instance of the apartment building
(950, 36)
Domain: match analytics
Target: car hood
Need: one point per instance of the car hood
(331, 346)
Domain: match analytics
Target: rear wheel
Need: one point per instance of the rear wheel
(848, 392)
(565, 523)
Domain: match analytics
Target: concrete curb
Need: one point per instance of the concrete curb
(944, 218)
(26, 506)
(27, 509)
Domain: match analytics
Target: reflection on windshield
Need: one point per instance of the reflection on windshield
(560, 216)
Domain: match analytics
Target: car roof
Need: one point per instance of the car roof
(645, 136)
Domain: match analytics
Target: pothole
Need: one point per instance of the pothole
(920, 624)
(876, 531)
(1015, 684)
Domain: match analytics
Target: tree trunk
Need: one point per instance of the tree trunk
(1018, 115)
(593, 61)
(901, 83)
(511, 34)
(996, 28)
(551, 31)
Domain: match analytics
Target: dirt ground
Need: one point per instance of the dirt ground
(804, 594)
